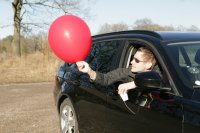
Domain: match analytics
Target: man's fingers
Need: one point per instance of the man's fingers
(83, 66)
(80, 65)
(121, 90)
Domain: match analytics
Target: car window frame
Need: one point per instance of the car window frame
(162, 63)
(114, 55)
(183, 77)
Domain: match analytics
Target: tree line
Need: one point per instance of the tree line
(39, 43)
(143, 24)
(29, 17)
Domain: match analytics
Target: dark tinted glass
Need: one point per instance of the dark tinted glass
(102, 54)
(186, 57)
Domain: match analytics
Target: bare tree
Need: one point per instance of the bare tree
(106, 28)
(17, 7)
(147, 24)
(193, 28)
(181, 28)
(29, 15)
(119, 27)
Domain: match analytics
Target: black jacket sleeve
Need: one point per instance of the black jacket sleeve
(119, 74)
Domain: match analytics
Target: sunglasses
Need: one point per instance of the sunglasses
(137, 61)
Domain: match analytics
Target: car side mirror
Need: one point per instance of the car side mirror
(150, 81)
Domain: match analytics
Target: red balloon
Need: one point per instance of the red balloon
(70, 38)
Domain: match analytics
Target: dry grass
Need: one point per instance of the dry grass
(31, 68)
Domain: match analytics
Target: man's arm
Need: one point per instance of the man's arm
(104, 79)
(123, 88)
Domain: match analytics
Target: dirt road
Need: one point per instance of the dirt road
(28, 108)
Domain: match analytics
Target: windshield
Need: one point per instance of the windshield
(186, 57)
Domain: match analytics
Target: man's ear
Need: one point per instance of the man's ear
(148, 65)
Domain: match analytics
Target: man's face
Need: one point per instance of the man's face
(139, 63)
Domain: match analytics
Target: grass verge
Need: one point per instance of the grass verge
(35, 67)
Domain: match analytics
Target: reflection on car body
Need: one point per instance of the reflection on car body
(166, 99)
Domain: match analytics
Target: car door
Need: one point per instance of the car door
(186, 58)
(192, 114)
(189, 56)
(161, 113)
(91, 98)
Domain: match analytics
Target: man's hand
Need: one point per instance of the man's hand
(123, 88)
(85, 68)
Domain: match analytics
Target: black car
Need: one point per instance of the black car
(166, 100)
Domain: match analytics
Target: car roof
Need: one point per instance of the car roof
(161, 35)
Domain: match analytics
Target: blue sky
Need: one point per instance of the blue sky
(162, 12)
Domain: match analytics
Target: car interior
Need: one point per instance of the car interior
(138, 97)
(131, 52)
(188, 64)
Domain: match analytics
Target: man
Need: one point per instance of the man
(143, 60)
